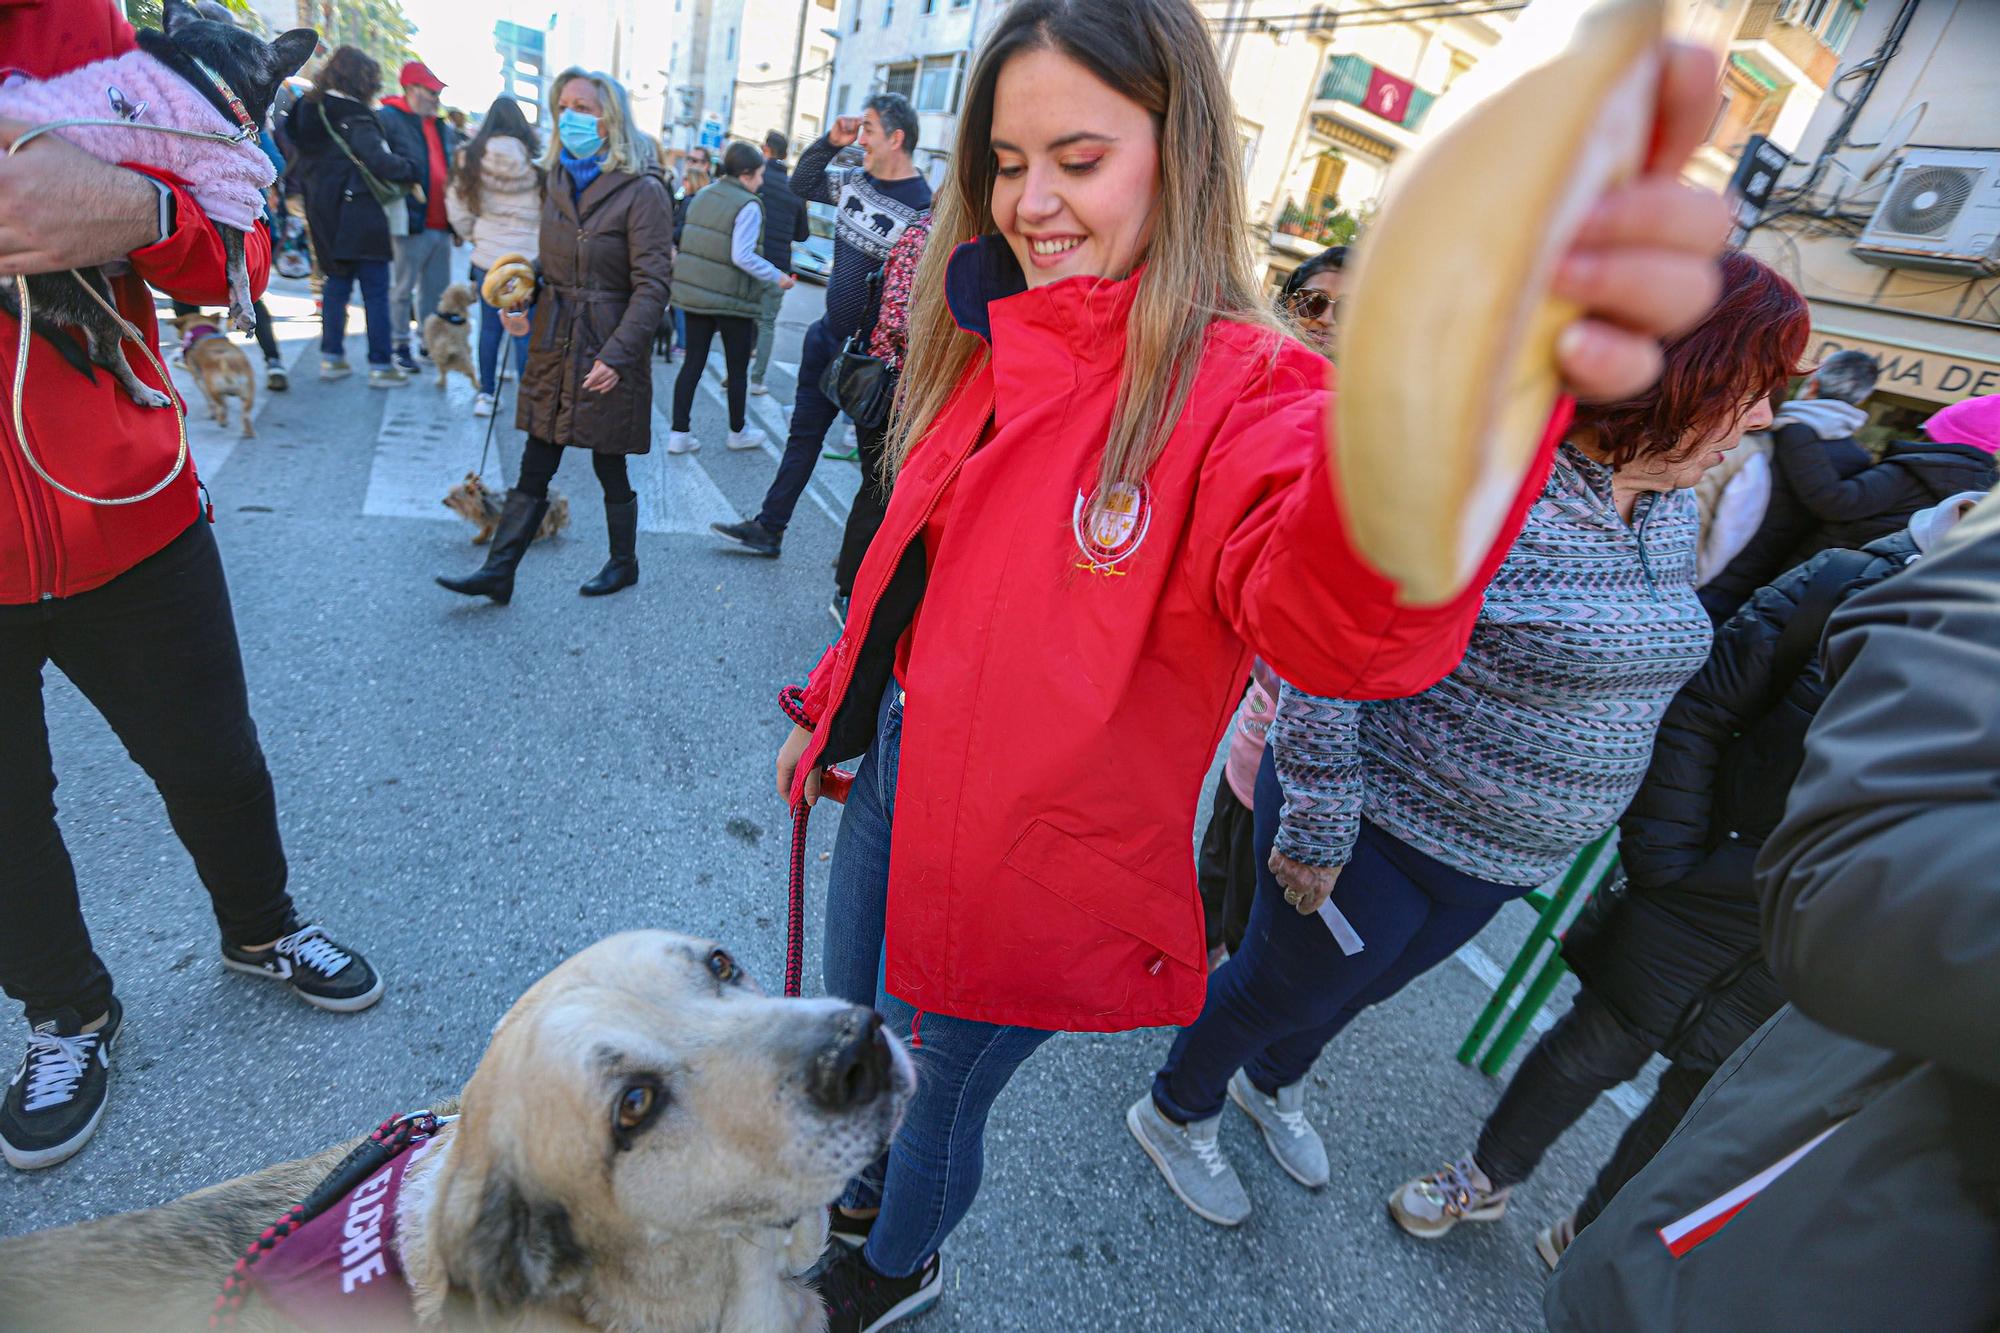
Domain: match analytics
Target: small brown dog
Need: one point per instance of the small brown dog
(471, 501)
(447, 334)
(218, 365)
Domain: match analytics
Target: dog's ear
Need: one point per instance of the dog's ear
(291, 50)
(515, 1251)
(175, 13)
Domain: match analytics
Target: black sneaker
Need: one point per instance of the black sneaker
(275, 377)
(751, 536)
(838, 609)
(860, 1300)
(325, 974)
(57, 1096)
(404, 361)
(849, 1231)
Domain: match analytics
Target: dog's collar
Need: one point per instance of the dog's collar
(199, 333)
(247, 126)
(331, 1261)
(449, 319)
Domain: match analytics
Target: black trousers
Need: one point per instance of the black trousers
(540, 459)
(1586, 1054)
(155, 652)
(267, 341)
(813, 414)
(739, 340)
(864, 518)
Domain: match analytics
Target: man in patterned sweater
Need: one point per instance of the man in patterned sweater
(873, 204)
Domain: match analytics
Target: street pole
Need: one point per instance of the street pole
(798, 69)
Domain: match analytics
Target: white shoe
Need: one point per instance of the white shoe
(757, 389)
(750, 438)
(482, 406)
(682, 442)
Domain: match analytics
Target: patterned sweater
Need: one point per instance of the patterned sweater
(1540, 738)
(871, 215)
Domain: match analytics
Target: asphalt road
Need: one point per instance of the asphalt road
(470, 793)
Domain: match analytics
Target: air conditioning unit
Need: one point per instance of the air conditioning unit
(1941, 212)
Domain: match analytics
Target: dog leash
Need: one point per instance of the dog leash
(126, 327)
(506, 355)
(835, 785)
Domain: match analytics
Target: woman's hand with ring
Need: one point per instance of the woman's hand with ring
(1306, 887)
(601, 379)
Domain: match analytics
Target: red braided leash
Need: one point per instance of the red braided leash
(833, 785)
(390, 1138)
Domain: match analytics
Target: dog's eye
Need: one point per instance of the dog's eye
(637, 1104)
(723, 966)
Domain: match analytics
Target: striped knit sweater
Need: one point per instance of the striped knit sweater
(1540, 738)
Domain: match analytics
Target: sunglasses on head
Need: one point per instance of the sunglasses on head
(1310, 304)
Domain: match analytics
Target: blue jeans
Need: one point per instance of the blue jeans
(927, 1180)
(490, 334)
(812, 414)
(1273, 1007)
(373, 275)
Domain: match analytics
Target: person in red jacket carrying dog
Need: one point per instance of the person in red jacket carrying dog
(1111, 489)
(127, 600)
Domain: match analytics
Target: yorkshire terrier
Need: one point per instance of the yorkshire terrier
(446, 332)
(471, 501)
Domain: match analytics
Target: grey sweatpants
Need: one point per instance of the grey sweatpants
(422, 270)
(771, 298)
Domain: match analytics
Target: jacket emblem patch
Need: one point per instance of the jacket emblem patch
(1111, 526)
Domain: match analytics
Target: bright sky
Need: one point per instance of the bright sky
(455, 38)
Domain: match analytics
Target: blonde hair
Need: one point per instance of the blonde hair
(621, 148)
(1157, 53)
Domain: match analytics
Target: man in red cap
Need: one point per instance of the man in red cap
(423, 258)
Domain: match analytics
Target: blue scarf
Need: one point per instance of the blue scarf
(582, 171)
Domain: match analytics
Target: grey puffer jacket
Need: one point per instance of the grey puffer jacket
(1856, 1137)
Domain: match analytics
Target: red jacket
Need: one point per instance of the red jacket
(93, 438)
(1065, 703)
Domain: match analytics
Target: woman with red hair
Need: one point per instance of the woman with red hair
(1389, 833)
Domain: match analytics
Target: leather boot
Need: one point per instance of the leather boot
(519, 521)
(622, 570)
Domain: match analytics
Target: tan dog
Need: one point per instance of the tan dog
(219, 367)
(473, 502)
(447, 334)
(650, 1142)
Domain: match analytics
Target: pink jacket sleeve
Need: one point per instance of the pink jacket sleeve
(1286, 573)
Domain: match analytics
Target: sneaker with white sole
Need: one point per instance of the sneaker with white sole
(325, 974)
(1431, 1205)
(1191, 1160)
(750, 438)
(757, 389)
(334, 368)
(482, 405)
(1287, 1133)
(860, 1300)
(57, 1095)
(387, 377)
(682, 442)
(1553, 1239)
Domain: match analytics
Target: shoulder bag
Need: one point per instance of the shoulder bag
(394, 199)
(863, 386)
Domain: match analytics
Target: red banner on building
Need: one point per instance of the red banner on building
(1388, 96)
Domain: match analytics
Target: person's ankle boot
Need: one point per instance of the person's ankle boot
(621, 519)
(519, 521)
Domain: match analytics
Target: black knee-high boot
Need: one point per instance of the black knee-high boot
(621, 519)
(519, 521)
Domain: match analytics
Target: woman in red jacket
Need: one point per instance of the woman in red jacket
(1111, 489)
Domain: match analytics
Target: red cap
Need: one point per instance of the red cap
(417, 74)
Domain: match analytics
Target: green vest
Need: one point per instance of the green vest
(706, 280)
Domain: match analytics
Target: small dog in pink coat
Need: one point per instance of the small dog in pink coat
(195, 74)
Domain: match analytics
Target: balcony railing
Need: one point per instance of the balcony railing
(1349, 78)
(1318, 218)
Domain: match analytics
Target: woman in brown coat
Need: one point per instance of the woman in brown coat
(606, 265)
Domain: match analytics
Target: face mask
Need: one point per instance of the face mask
(579, 133)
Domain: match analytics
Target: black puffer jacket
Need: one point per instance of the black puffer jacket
(784, 215)
(348, 226)
(1913, 475)
(1677, 954)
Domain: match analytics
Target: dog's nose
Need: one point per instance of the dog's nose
(854, 1070)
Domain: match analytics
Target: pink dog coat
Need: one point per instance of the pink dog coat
(227, 180)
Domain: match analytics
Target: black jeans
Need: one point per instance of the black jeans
(540, 459)
(739, 339)
(864, 518)
(812, 414)
(1586, 1054)
(155, 652)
